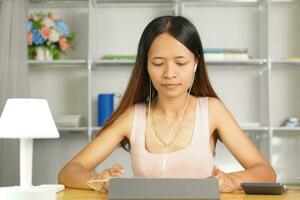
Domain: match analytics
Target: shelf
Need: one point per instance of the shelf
(59, 3)
(228, 2)
(214, 3)
(220, 3)
(81, 63)
(237, 62)
(96, 2)
(113, 62)
(99, 3)
(95, 128)
(281, 2)
(73, 129)
(255, 128)
(279, 62)
(208, 62)
(58, 63)
(286, 128)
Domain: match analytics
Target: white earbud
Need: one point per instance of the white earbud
(195, 68)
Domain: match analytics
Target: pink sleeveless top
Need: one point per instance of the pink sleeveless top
(194, 161)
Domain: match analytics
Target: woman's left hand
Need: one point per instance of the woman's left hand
(226, 182)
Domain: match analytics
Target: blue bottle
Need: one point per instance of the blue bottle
(105, 107)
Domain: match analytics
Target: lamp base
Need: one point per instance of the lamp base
(30, 193)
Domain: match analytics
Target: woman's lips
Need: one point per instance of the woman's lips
(170, 85)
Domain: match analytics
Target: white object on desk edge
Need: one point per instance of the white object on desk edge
(56, 187)
(27, 193)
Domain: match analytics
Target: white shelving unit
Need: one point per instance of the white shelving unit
(285, 73)
(286, 129)
(248, 88)
(58, 63)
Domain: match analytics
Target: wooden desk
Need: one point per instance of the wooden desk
(73, 194)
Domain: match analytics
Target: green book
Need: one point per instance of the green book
(118, 57)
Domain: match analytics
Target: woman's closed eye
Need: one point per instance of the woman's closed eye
(182, 64)
(157, 64)
(178, 64)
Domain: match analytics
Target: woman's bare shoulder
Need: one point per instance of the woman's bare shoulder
(214, 102)
(124, 121)
(215, 108)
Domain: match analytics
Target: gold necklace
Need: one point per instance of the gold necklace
(178, 124)
(156, 135)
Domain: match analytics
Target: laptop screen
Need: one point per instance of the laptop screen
(163, 188)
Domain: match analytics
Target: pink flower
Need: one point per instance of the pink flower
(54, 17)
(29, 38)
(45, 32)
(63, 44)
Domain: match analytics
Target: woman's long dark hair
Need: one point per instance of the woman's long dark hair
(138, 87)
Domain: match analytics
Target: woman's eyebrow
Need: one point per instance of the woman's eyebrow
(157, 57)
(180, 57)
(176, 57)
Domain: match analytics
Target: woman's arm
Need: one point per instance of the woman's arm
(76, 172)
(257, 169)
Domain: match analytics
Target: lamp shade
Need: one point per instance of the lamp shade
(27, 118)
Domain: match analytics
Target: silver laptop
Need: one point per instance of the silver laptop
(163, 188)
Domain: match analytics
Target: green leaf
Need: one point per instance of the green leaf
(71, 38)
(31, 51)
(55, 52)
(37, 24)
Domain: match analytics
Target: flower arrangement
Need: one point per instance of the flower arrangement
(50, 33)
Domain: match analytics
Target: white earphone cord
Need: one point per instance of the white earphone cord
(164, 161)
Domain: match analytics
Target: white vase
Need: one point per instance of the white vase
(43, 54)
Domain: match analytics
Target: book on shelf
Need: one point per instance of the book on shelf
(68, 120)
(293, 58)
(118, 57)
(291, 122)
(211, 54)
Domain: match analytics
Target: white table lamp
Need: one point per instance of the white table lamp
(27, 119)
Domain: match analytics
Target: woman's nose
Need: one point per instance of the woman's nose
(169, 72)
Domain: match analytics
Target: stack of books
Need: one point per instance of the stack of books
(211, 54)
(118, 57)
(296, 58)
(68, 120)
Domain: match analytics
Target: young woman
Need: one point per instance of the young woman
(170, 118)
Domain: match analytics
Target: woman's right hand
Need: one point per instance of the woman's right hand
(101, 181)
